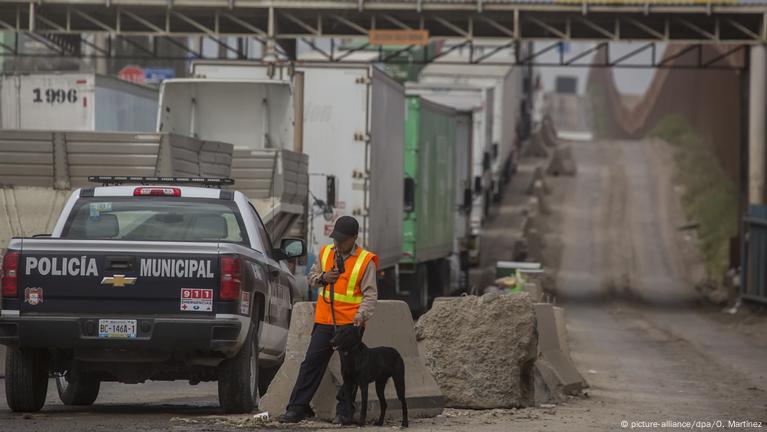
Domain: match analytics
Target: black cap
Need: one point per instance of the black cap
(345, 227)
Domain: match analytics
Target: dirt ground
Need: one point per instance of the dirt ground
(650, 351)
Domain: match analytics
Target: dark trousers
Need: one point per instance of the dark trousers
(313, 369)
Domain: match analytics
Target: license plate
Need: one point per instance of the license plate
(119, 329)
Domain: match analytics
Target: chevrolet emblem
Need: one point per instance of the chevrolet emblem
(118, 280)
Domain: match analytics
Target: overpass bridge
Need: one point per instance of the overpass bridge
(91, 27)
(721, 21)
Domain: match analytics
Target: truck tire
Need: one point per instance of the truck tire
(438, 280)
(26, 379)
(78, 387)
(238, 378)
(416, 284)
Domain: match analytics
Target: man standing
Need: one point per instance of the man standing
(350, 273)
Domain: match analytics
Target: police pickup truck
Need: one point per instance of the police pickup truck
(164, 279)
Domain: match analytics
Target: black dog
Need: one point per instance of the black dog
(361, 365)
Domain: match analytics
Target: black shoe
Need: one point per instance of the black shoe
(309, 413)
(342, 420)
(291, 417)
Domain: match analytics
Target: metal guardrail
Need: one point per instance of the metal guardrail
(754, 255)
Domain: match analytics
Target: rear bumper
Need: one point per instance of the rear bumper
(153, 333)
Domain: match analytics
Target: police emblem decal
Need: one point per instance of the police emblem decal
(33, 296)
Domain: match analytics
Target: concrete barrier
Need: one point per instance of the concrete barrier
(559, 318)
(555, 373)
(392, 325)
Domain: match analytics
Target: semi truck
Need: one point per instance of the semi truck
(507, 113)
(76, 101)
(435, 137)
(479, 102)
(353, 128)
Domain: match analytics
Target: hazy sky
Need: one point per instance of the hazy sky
(628, 80)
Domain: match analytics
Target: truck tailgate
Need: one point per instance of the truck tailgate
(118, 277)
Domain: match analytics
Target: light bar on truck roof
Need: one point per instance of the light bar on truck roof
(192, 181)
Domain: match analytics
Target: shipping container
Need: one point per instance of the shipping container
(479, 101)
(508, 100)
(353, 118)
(429, 221)
(76, 102)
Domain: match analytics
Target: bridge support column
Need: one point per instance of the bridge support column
(270, 50)
(757, 107)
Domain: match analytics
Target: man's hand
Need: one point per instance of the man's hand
(358, 320)
(331, 276)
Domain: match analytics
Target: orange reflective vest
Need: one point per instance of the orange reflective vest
(347, 293)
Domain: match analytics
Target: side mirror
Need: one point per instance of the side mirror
(290, 248)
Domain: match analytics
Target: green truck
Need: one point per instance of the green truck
(430, 208)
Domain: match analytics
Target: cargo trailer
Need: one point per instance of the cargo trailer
(478, 101)
(76, 102)
(459, 259)
(508, 100)
(353, 131)
(429, 217)
(256, 117)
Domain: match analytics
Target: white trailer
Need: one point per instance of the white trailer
(256, 116)
(508, 96)
(76, 102)
(478, 101)
(353, 120)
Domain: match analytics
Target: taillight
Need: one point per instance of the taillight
(10, 271)
(157, 191)
(229, 289)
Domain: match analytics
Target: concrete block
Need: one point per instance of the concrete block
(535, 291)
(392, 325)
(554, 365)
(559, 318)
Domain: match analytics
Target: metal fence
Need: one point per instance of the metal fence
(754, 255)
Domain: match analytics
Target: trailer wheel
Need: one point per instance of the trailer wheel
(26, 379)
(439, 279)
(238, 378)
(78, 387)
(416, 283)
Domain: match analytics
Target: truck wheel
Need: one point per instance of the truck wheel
(439, 279)
(238, 378)
(78, 387)
(416, 284)
(26, 379)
